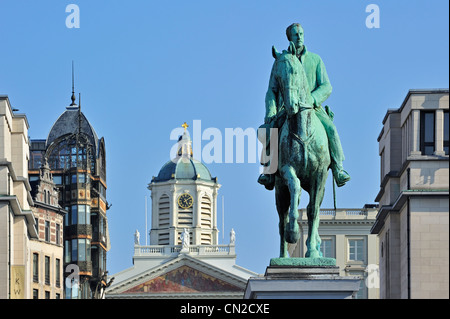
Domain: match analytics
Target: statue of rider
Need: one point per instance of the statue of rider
(320, 90)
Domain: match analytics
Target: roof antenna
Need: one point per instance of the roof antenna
(73, 88)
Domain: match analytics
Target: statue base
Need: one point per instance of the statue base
(300, 278)
(321, 261)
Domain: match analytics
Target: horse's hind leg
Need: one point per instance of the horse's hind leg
(282, 199)
(292, 232)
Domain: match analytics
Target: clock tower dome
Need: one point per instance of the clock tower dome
(184, 197)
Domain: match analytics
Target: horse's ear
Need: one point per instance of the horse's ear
(292, 50)
(275, 53)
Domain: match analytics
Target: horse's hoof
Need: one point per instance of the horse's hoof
(292, 232)
(312, 254)
(292, 236)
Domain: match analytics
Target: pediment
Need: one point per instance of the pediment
(181, 276)
(183, 279)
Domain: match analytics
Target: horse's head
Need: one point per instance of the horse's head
(291, 79)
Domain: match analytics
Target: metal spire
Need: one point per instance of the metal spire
(79, 113)
(73, 88)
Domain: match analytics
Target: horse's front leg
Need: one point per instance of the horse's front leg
(282, 199)
(316, 198)
(292, 232)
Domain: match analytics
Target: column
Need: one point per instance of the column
(196, 218)
(439, 133)
(173, 233)
(415, 133)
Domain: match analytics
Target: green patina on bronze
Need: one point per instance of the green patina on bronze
(295, 262)
(308, 144)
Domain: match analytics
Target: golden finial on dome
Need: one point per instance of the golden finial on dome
(185, 126)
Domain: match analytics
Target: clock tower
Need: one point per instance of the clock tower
(184, 196)
(184, 258)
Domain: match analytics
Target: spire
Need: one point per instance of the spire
(79, 113)
(185, 143)
(73, 88)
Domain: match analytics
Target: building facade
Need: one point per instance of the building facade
(413, 219)
(77, 160)
(47, 250)
(17, 222)
(345, 235)
(184, 258)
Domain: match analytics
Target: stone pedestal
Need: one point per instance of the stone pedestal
(302, 282)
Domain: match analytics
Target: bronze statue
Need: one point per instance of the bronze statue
(308, 141)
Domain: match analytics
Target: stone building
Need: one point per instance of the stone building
(345, 235)
(17, 222)
(413, 219)
(184, 258)
(46, 251)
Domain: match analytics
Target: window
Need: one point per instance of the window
(427, 133)
(57, 179)
(35, 294)
(102, 190)
(84, 214)
(81, 178)
(326, 247)
(356, 249)
(101, 259)
(47, 230)
(35, 267)
(58, 272)
(94, 258)
(446, 134)
(47, 270)
(74, 214)
(47, 295)
(74, 249)
(72, 290)
(58, 234)
(80, 214)
(100, 226)
(67, 251)
(84, 249)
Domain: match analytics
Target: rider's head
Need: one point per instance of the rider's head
(294, 33)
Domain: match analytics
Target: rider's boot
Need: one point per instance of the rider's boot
(340, 175)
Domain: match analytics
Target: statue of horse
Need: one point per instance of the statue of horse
(303, 155)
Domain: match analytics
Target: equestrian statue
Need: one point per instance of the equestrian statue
(301, 140)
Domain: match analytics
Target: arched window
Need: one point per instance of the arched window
(64, 153)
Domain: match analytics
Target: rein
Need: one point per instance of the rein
(304, 142)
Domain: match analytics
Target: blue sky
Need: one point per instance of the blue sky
(144, 68)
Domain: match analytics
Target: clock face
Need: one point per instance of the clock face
(185, 201)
